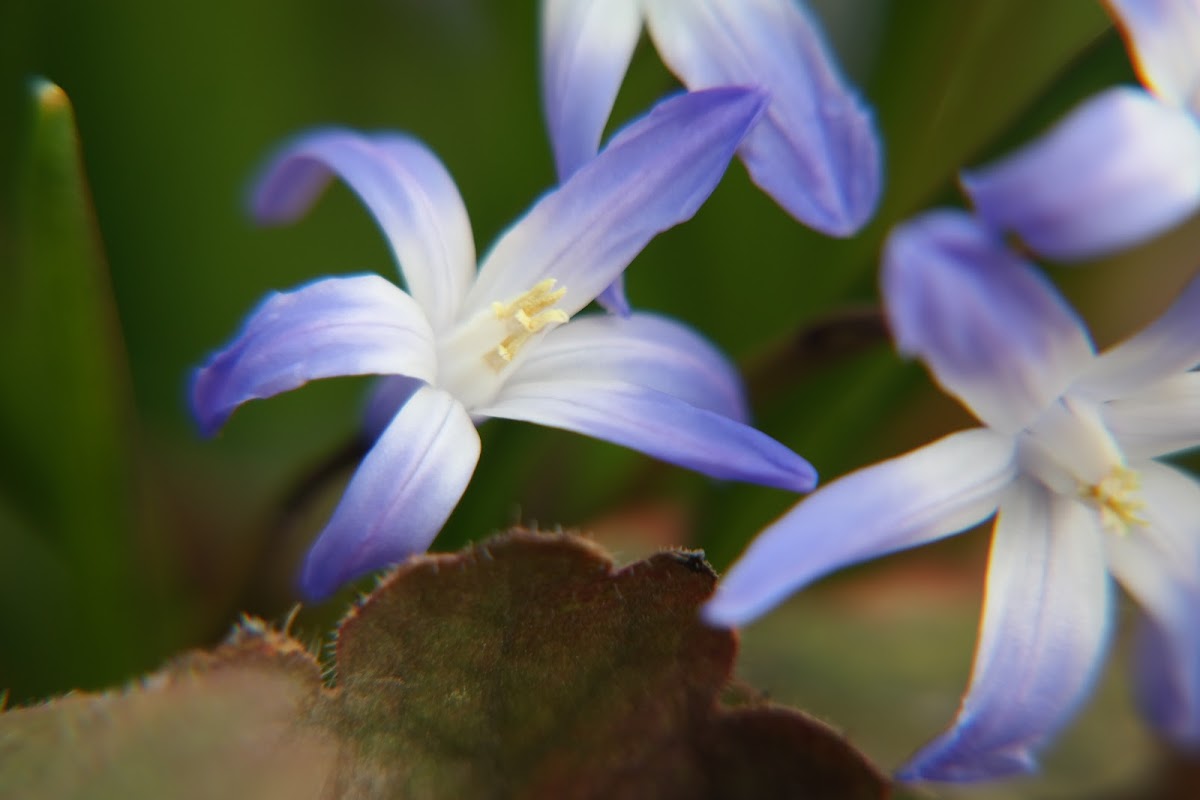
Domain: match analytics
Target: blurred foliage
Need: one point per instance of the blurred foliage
(526, 666)
(69, 483)
(125, 537)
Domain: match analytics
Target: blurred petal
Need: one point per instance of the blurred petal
(1162, 419)
(1167, 663)
(653, 175)
(992, 330)
(643, 349)
(361, 325)
(1046, 620)
(932, 492)
(384, 401)
(1119, 169)
(1159, 565)
(613, 298)
(1070, 447)
(401, 495)
(586, 47)
(816, 151)
(1166, 347)
(658, 425)
(1164, 42)
(406, 189)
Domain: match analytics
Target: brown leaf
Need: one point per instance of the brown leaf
(527, 666)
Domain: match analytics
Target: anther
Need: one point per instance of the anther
(1116, 496)
(531, 313)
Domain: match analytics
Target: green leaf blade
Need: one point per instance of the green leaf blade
(67, 423)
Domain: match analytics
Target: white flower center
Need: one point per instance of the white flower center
(476, 358)
(1072, 452)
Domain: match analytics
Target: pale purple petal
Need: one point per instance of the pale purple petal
(1046, 621)
(385, 399)
(1159, 565)
(653, 175)
(362, 325)
(643, 349)
(992, 330)
(401, 495)
(1119, 169)
(658, 425)
(406, 189)
(932, 492)
(613, 298)
(1162, 419)
(816, 150)
(1167, 665)
(1164, 42)
(1168, 346)
(586, 47)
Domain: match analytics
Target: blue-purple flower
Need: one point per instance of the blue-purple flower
(1122, 167)
(464, 345)
(1066, 460)
(815, 150)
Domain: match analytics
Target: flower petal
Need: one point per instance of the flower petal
(643, 349)
(1119, 169)
(1159, 565)
(362, 325)
(404, 186)
(1172, 498)
(401, 495)
(1163, 37)
(1166, 347)
(1162, 419)
(613, 298)
(384, 401)
(586, 48)
(932, 492)
(658, 425)
(1167, 664)
(1046, 621)
(653, 175)
(992, 330)
(816, 151)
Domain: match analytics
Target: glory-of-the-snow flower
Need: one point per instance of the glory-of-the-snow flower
(500, 342)
(815, 150)
(1066, 460)
(1122, 167)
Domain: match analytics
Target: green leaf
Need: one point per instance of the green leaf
(66, 425)
(527, 666)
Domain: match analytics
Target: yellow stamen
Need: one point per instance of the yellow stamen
(1117, 498)
(538, 299)
(529, 313)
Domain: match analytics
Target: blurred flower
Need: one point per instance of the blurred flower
(1066, 457)
(1122, 167)
(815, 150)
(496, 343)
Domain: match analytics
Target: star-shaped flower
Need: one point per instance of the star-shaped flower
(815, 150)
(1067, 462)
(1122, 167)
(468, 345)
